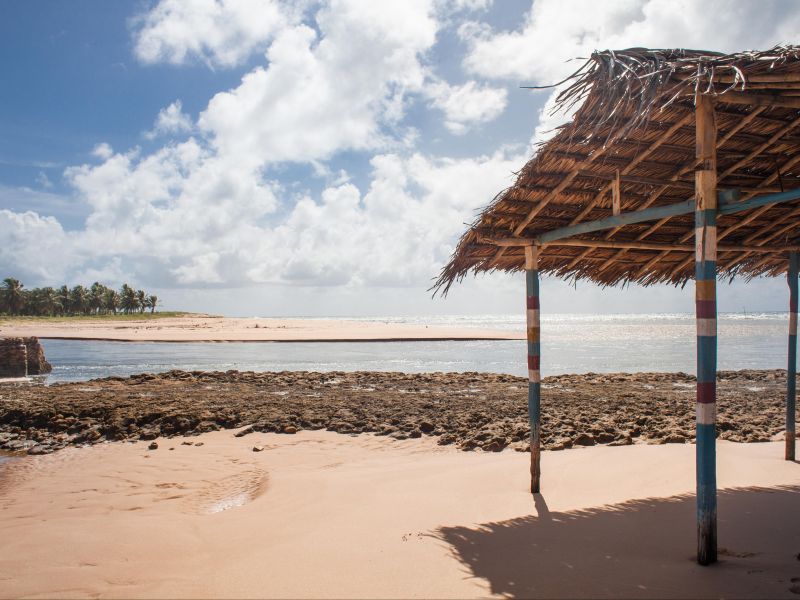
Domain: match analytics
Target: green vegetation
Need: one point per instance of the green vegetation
(79, 301)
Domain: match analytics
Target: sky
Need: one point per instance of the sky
(308, 158)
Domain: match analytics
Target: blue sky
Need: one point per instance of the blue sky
(304, 158)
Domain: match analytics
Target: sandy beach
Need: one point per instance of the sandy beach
(204, 328)
(325, 515)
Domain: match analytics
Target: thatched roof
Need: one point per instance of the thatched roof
(636, 118)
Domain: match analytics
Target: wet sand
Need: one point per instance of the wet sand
(324, 515)
(203, 328)
(466, 410)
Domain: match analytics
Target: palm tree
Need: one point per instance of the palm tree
(151, 302)
(128, 300)
(79, 299)
(49, 301)
(111, 300)
(12, 295)
(141, 298)
(63, 299)
(96, 295)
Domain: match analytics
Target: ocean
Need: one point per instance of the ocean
(570, 344)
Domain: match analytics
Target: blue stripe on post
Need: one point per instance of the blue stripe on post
(534, 349)
(532, 282)
(705, 270)
(707, 486)
(706, 358)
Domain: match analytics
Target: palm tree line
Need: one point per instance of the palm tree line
(16, 299)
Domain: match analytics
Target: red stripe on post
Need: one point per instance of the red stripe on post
(533, 302)
(706, 309)
(534, 362)
(707, 392)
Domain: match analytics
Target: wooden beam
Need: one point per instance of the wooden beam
(534, 363)
(791, 370)
(744, 221)
(706, 317)
(661, 212)
(748, 79)
(627, 218)
(616, 196)
(768, 100)
(685, 168)
(639, 158)
(630, 245)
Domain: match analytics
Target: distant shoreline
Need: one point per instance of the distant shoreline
(204, 328)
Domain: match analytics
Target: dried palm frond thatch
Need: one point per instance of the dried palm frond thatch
(634, 127)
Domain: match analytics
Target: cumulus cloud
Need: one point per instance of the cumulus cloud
(102, 151)
(33, 247)
(553, 33)
(467, 104)
(220, 33)
(319, 95)
(179, 217)
(397, 232)
(170, 120)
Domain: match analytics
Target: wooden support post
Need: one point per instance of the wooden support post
(534, 366)
(616, 196)
(791, 371)
(706, 316)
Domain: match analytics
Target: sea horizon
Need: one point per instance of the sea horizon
(571, 343)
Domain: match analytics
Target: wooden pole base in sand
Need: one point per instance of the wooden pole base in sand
(534, 360)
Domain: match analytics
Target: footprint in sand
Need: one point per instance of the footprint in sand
(229, 492)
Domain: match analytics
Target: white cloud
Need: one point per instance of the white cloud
(467, 104)
(555, 32)
(102, 151)
(170, 120)
(221, 33)
(43, 180)
(182, 217)
(343, 90)
(399, 232)
(33, 247)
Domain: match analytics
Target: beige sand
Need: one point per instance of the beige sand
(325, 515)
(201, 328)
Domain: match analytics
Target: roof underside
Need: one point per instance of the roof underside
(637, 119)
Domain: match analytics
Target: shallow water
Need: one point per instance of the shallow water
(570, 344)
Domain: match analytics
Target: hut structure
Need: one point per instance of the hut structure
(677, 164)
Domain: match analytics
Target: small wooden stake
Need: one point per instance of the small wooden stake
(791, 371)
(534, 366)
(616, 196)
(706, 316)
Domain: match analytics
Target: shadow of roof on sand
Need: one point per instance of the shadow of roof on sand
(639, 549)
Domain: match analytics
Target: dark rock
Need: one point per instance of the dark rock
(584, 439)
(153, 446)
(244, 432)
(605, 438)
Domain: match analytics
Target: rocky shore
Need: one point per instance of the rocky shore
(469, 410)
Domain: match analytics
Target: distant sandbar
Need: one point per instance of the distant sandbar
(204, 328)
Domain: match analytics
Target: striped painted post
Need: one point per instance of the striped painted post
(791, 371)
(534, 362)
(706, 316)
